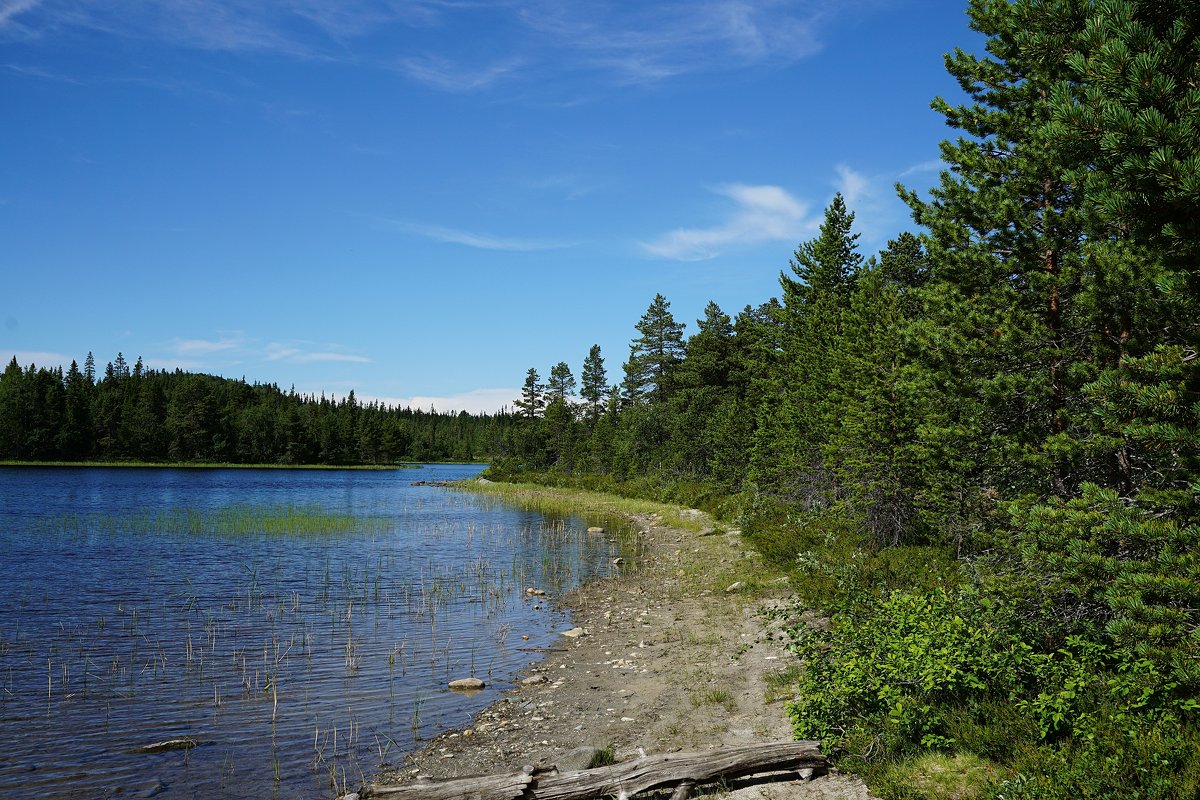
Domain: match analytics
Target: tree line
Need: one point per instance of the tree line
(135, 413)
(1015, 385)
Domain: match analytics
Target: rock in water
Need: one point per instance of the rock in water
(595, 529)
(467, 684)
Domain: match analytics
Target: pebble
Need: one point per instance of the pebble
(574, 633)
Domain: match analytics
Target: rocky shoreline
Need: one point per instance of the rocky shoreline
(673, 656)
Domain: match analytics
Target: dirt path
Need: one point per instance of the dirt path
(669, 660)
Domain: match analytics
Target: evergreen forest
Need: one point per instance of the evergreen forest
(977, 450)
(157, 416)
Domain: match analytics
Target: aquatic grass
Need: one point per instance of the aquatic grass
(234, 520)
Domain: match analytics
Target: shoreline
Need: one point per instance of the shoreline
(672, 658)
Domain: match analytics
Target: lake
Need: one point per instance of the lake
(300, 626)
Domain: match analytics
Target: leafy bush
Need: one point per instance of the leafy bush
(881, 681)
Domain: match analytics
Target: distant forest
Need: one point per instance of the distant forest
(138, 414)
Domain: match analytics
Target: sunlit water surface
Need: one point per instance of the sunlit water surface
(301, 626)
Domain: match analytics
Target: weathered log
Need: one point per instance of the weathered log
(629, 778)
(482, 787)
(633, 777)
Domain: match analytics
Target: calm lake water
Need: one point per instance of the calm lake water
(300, 625)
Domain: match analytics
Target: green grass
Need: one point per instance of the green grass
(596, 507)
(603, 757)
(715, 697)
(230, 521)
(937, 776)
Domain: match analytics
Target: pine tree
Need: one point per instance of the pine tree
(879, 407)
(797, 415)
(703, 389)
(562, 382)
(1010, 334)
(595, 383)
(654, 355)
(533, 401)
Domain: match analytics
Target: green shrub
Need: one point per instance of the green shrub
(885, 678)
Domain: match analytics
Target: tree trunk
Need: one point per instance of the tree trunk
(678, 770)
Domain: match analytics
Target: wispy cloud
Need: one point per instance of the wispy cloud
(203, 347)
(932, 165)
(760, 214)
(11, 8)
(648, 43)
(439, 233)
(44, 74)
(440, 73)
(40, 358)
(299, 355)
(622, 43)
(475, 401)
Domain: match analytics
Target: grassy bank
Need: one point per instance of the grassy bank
(595, 506)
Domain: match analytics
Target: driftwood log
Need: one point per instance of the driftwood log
(678, 771)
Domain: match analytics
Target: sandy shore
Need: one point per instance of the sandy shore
(669, 660)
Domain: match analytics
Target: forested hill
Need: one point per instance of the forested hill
(133, 413)
(981, 445)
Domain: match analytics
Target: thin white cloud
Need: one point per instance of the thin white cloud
(476, 401)
(309, 358)
(40, 358)
(440, 233)
(443, 74)
(11, 8)
(622, 43)
(38, 72)
(932, 165)
(859, 191)
(297, 355)
(647, 43)
(203, 347)
(760, 214)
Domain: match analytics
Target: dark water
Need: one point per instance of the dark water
(300, 625)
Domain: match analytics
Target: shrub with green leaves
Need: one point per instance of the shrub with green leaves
(886, 676)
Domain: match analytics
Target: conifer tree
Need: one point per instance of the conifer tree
(797, 415)
(594, 383)
(1010, 333)
(532, 401)
(654, 355)
(562, 382)
(703, 391)
(878, 405)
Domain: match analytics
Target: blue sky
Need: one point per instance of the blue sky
(420, 199)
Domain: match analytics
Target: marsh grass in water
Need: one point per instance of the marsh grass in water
(234, 520)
